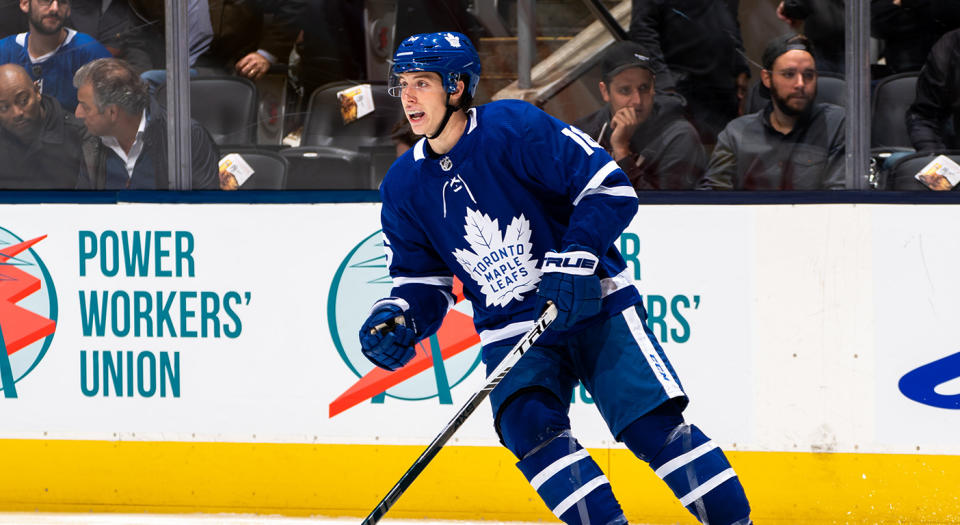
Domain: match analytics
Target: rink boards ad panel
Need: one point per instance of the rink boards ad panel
(205, 357)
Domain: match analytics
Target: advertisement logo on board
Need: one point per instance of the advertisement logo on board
(443, 360)
(928, 384)
(28, 309)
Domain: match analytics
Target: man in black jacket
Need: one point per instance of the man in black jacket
(699, 41)
(41, 145)
(647, 135)
(132, 152)
(933, 120)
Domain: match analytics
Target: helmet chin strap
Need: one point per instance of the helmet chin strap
(446, 117)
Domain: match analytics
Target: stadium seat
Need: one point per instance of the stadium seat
(269, 169)
(328, 168)
(831, 89)
(891, 99)
(324, 126)
(902, 173)
(225, 105)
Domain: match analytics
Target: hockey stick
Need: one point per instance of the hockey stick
(438, 442)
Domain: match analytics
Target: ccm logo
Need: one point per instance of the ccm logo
(569, 262)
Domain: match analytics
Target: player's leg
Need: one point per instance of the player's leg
(534, 426)
(532, 423)
(692, 465)
(640, 397)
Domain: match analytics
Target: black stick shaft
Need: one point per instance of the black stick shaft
(438, 442)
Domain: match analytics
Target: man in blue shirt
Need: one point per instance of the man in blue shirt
(50, 52)
(525, 210)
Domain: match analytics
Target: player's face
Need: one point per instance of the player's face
(19, 106)
(97, 122)
(792, 81)
(424, 101)
(46, 16)
(632, 88)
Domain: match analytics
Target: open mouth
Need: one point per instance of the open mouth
(415, 116)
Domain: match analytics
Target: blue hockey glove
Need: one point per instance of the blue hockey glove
(569, 282)
(387, 338)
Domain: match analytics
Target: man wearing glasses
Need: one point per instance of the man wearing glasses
(50, 52)
(794, 143)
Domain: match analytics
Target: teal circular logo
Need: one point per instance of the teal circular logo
(360, 281)
(28, 309)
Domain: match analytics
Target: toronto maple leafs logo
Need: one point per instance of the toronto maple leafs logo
(503, 265)
(454, 40)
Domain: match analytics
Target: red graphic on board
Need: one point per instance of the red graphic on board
(455, 335)
(20, 327)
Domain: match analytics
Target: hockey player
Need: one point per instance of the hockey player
(525, 209)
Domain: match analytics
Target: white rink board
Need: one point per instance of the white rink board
(790, 327)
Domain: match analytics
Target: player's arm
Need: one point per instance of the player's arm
(602, 202)
(420, 298)
(590, 181)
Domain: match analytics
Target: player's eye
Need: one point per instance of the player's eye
(422, 84)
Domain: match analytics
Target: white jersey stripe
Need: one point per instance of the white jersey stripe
(579, 494)
(597, 179)
(616, 191)
(440, 280)
(711, 484)
(616, 283)
(506, 332)
(402, 304)
(557, 466)
(659, 368)
(685, 458)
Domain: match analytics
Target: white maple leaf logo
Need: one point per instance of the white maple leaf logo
(503, 265)
(452, 39)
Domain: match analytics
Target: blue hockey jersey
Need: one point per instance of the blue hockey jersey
(56, 69)
(518, 183)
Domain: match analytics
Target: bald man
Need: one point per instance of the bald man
(41, 145)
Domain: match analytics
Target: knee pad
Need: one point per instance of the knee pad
(531, 419)
(571, 483)
(699, 474)
(647, 436)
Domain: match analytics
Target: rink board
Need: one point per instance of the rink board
(219, 371)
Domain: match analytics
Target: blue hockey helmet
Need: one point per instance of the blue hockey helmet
(447, 53)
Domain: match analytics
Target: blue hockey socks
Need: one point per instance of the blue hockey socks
(698, 473)
(571, 483)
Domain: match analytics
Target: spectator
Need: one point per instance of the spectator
(50, 52)
(823, 23)
(118, 28)
(699, 40)
(793, 143)
(132, 151)
(934, 118)
(908, 30)
(41, 144)
(655, 146)
(333, 45)
(249, 36)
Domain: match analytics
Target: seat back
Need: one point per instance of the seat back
(324, 125)
(891, 100)
(831, 89)
(269, 169)
(226, 106)
(902, 174)
(327, 168)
